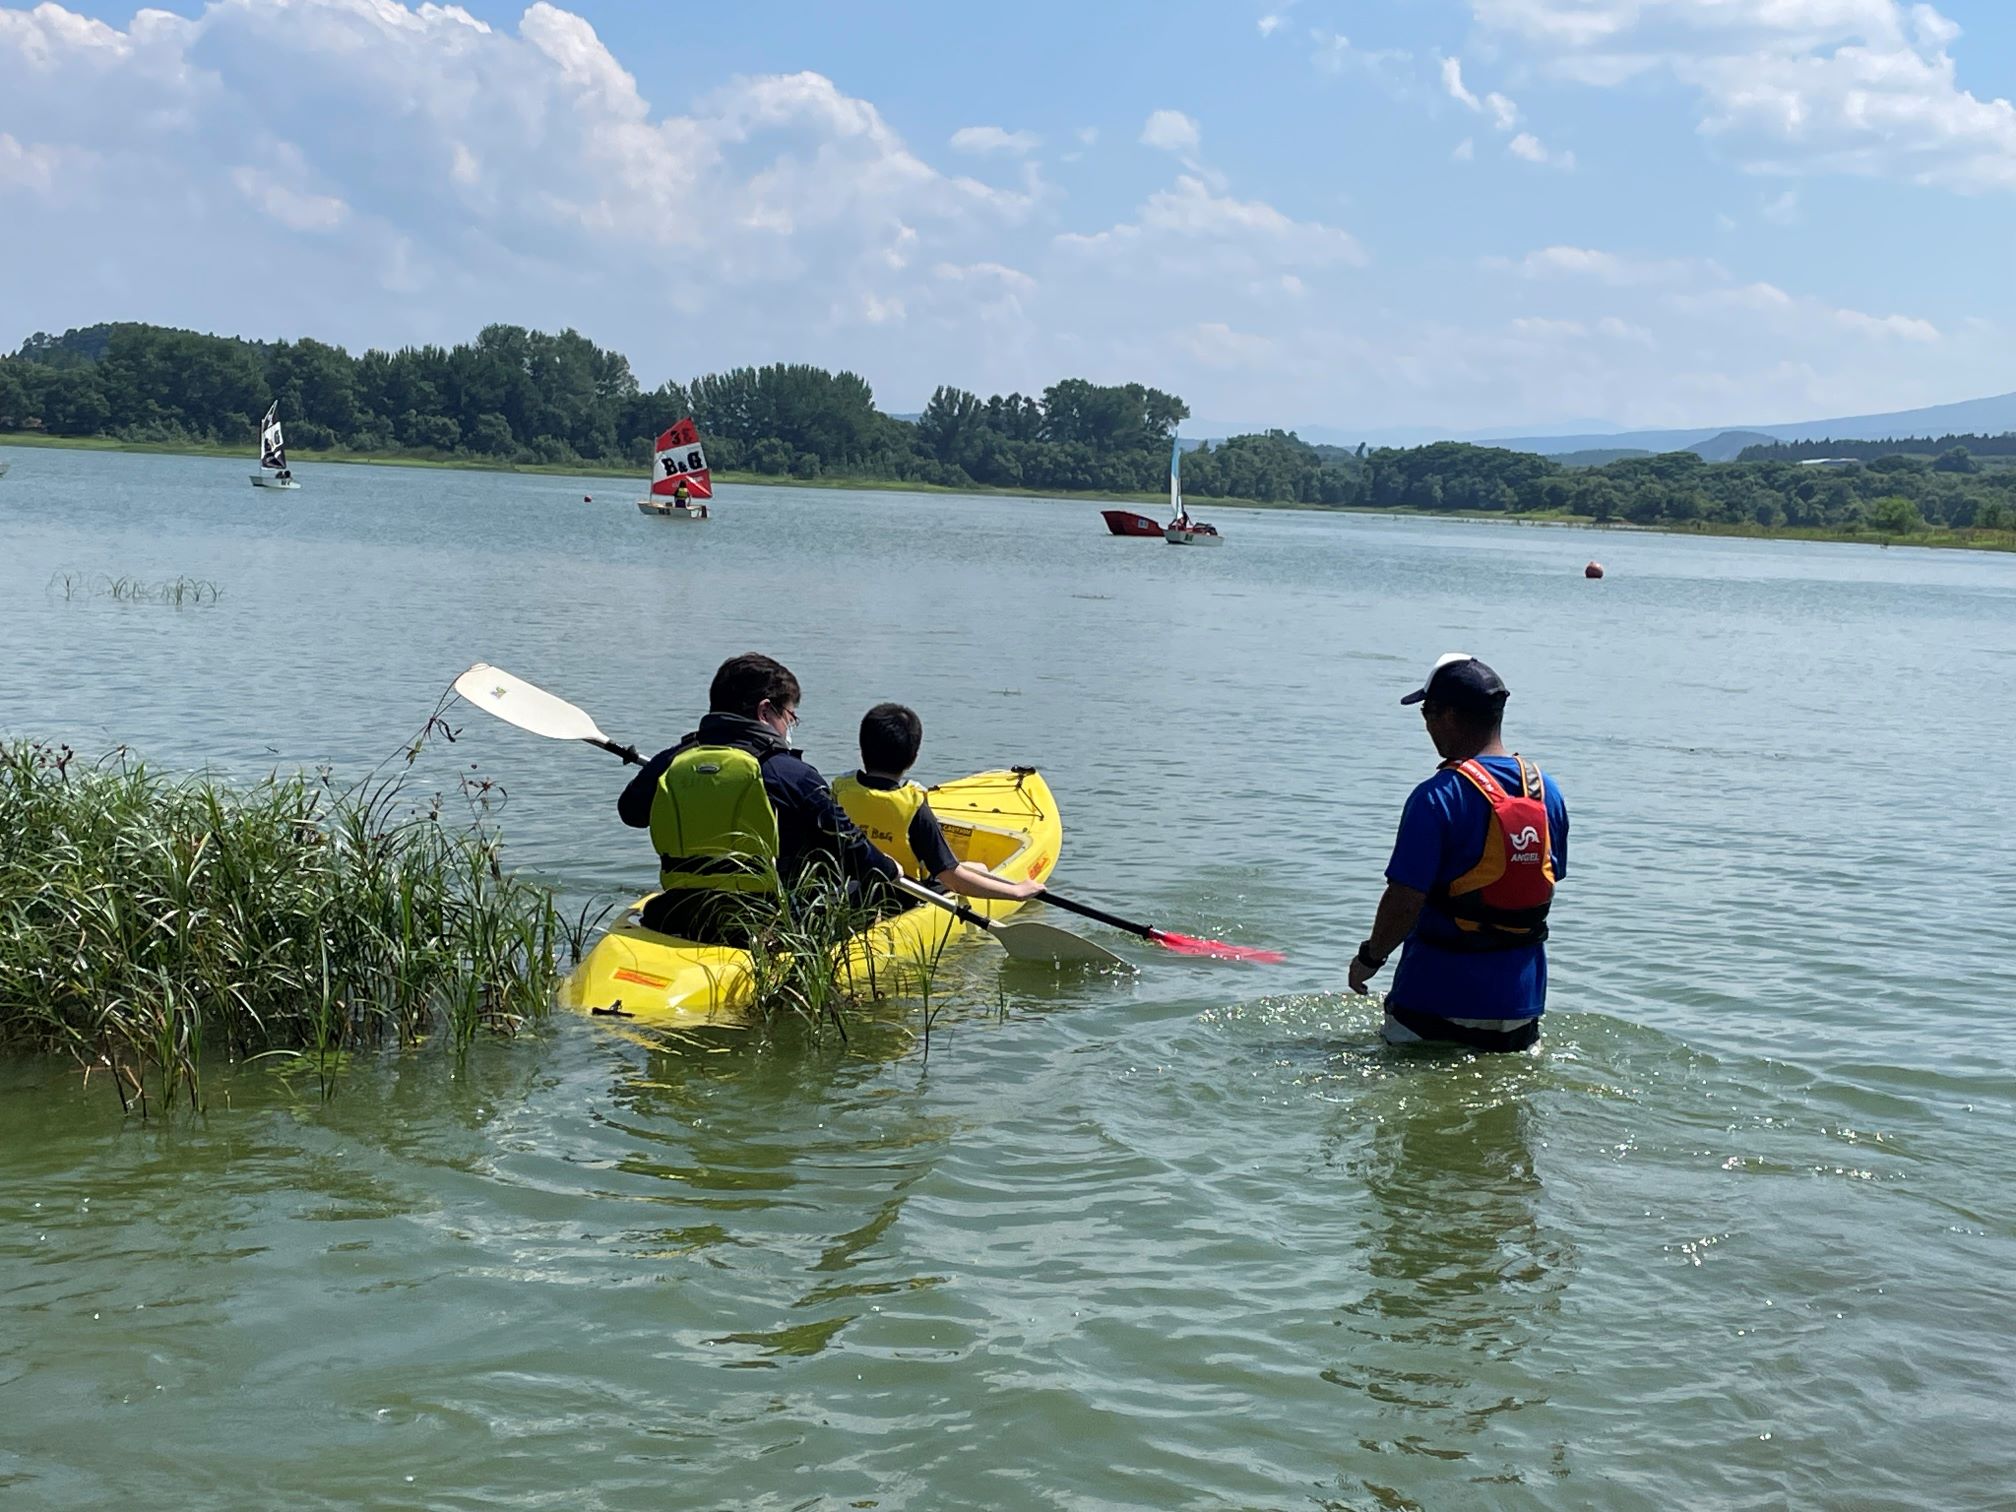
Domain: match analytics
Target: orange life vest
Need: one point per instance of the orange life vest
(1501, 903)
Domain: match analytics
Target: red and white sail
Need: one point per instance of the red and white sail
(679, 460)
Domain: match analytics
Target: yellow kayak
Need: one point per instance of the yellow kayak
(1007, 821)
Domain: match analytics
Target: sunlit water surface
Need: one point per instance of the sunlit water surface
(1739, 1235)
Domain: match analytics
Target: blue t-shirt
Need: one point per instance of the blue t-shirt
(1441, 837)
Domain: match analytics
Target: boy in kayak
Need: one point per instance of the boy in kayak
(1481, 846)
(737, 816)
(896, 814)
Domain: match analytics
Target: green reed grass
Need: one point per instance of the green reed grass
(147, 920)
(176, 592)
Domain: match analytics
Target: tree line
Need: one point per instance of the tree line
(520, 396)
(1966, 446)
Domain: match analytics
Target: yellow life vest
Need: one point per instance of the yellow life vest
(884, 814)
(713, 825)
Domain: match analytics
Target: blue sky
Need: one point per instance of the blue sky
(1459, 215)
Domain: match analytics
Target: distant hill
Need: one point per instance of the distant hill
(1727, 446)
(1989, 417)
(1602, 456)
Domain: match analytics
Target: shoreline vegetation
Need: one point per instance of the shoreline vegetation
(1856, 535)
(522, 400)
(150, 920)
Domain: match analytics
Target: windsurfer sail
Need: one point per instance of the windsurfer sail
(680, 460)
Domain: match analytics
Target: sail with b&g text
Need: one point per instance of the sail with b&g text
(679, 459)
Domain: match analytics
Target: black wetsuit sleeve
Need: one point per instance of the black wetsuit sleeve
(810, 820)
(928, 843)
(633, 807)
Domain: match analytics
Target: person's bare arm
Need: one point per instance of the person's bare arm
(972, 881)
(1399, 910)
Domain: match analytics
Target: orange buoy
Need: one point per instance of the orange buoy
(1593, 570)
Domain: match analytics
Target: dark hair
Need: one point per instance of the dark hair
(744, 682)
(1480, 718)
(890, 736)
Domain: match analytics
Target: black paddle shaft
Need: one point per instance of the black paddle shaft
(1100, 914)
(958, 910)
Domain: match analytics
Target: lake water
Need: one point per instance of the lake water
(1740, 1234)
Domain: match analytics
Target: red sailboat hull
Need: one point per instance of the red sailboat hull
(1125, 522)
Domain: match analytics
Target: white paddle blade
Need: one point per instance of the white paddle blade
(1027, 940)
(515, 701)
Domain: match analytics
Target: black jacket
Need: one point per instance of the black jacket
(809, 823)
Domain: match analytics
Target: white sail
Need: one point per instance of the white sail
(1175, 477)
(272, 446)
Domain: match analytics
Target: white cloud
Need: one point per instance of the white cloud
(424, 163)
(1533, 150)
(985, 139)
(1546, 329)
(1171, 131)
(1217, 345)
(1848, 86)
(38, 167)
(1801, 313)
(1605, 267)
(1782, 209)
(1504, 114)
(424, 174)
(1013, 279)
(1269, 24)
(1189, 230)
(1452, 81)
(1624, 330)
(287, 205)
(1391, 67)
(1466, 150)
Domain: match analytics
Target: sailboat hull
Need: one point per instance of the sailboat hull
(1177, 536)
(1125, 522)
(267, 480)
(664, 511)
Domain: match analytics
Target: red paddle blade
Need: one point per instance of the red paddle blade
(1184, 944)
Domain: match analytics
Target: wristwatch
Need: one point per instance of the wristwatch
(1368, 960)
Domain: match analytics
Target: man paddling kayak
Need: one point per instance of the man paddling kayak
(1480, 847)
(737, 816)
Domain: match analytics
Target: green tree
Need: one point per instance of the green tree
(73, 403)
(1894, 515)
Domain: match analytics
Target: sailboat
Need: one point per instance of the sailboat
(681, 483)
(273, 470)
(1181, 529)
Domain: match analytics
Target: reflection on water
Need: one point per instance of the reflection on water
(1461, 1275)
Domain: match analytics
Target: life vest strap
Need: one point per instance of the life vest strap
(712, 866)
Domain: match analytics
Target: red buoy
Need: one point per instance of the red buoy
(1593, 570)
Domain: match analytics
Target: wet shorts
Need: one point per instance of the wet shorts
(1406, 1027)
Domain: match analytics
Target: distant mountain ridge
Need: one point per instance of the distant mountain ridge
(1992, 416)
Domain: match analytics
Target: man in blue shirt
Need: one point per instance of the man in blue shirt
(1480, 846)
